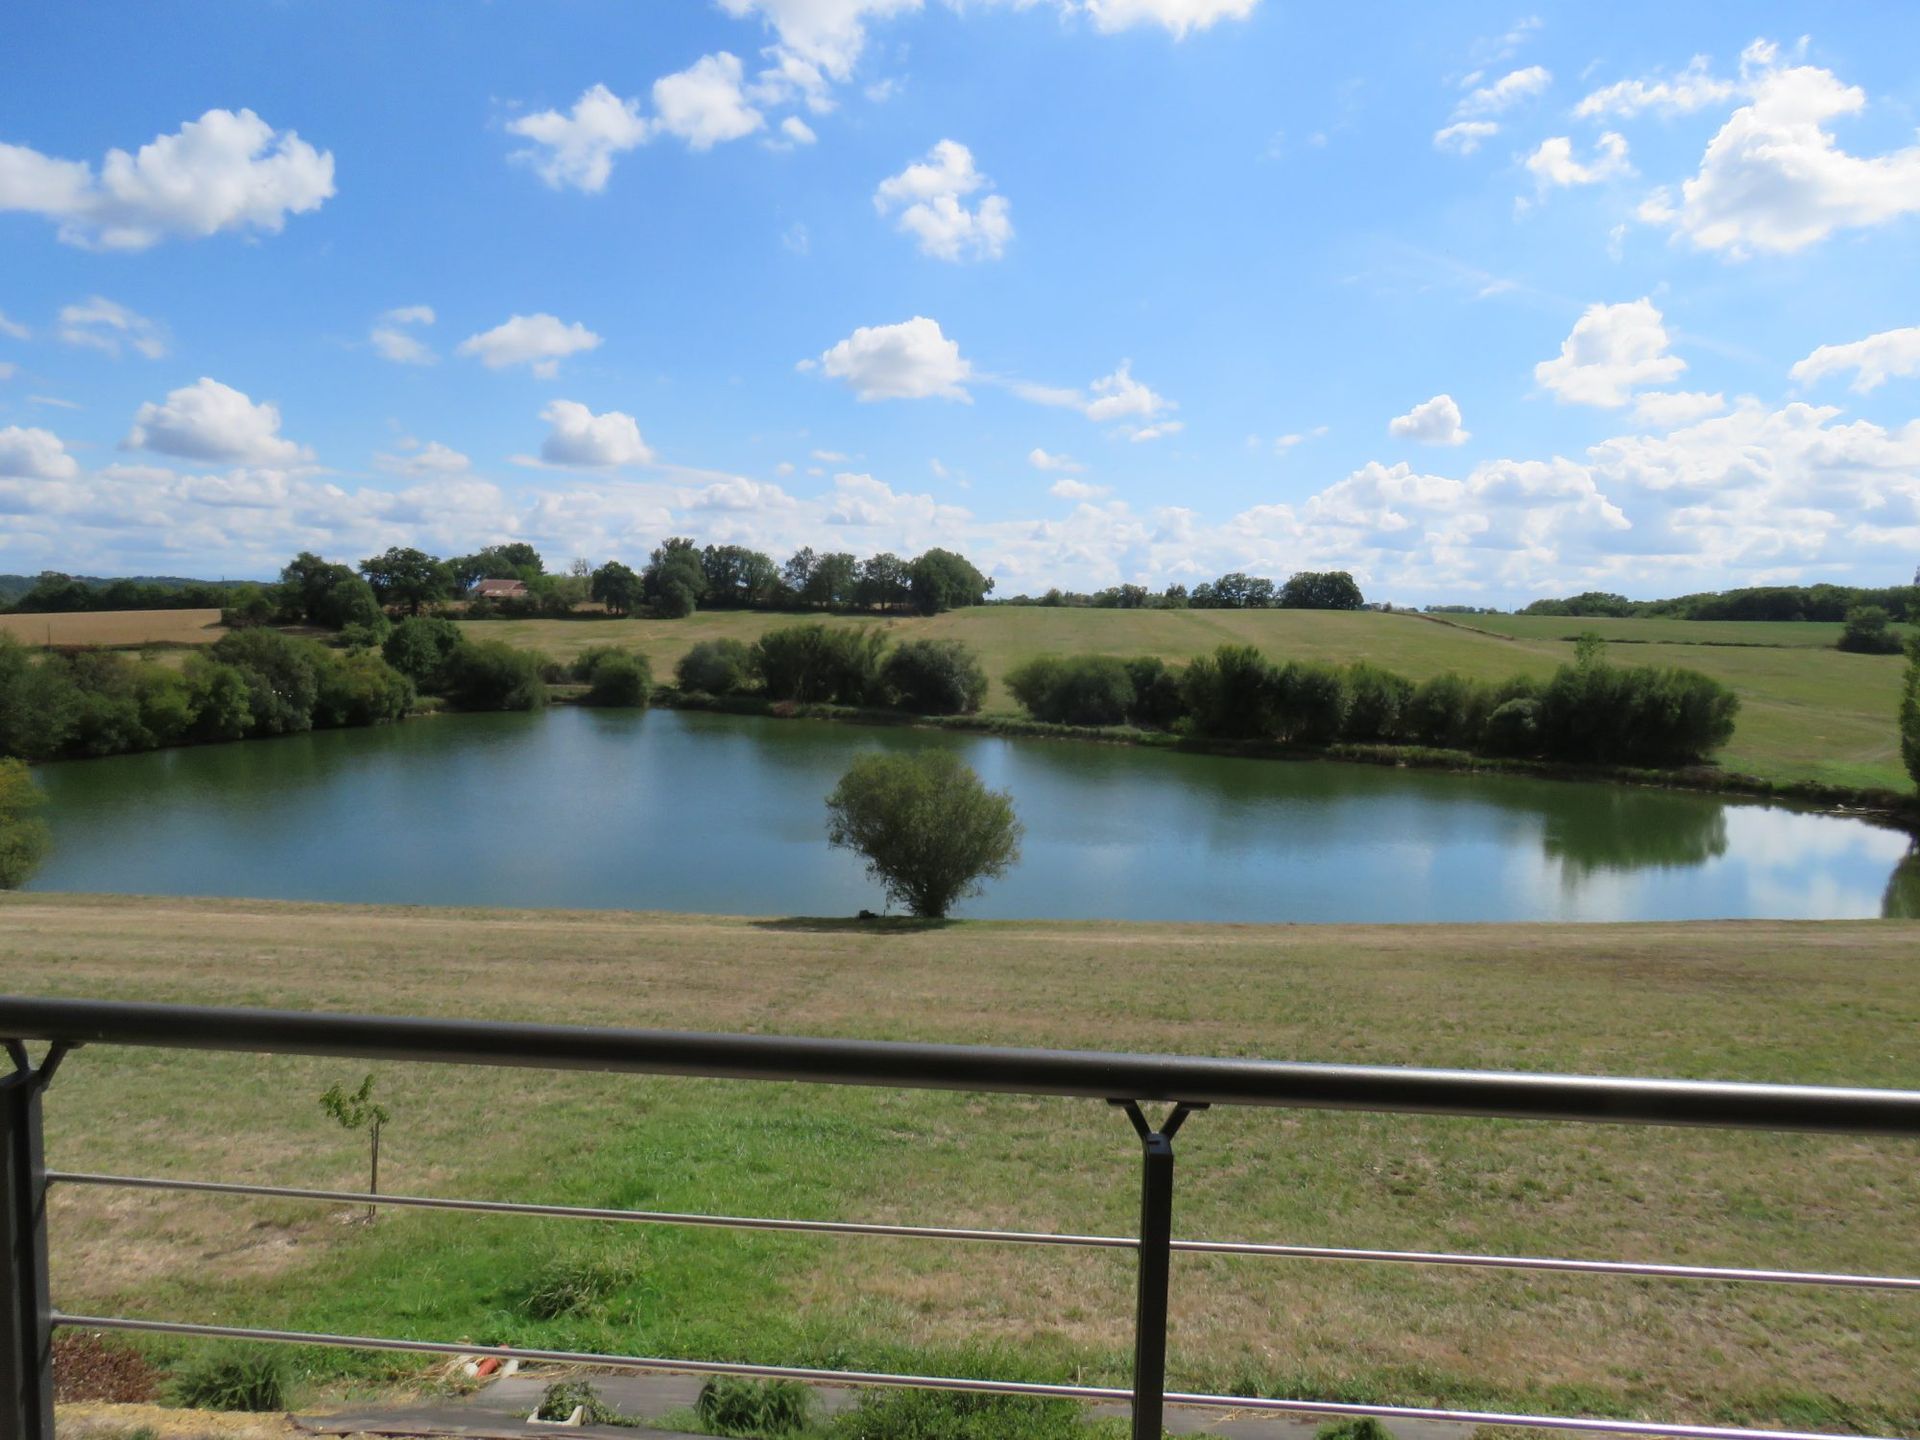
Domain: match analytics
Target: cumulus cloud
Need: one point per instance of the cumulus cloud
(1070, 489)
(912, 360)
(1612, 351)
(818, 36)
(392, 341)
(1179, 17)
(703, 104)
(931, 194)
(210, 421)
(99, 324)
(432, 458)
(1471, 124)
(739, 493)
(1156, 431)
(225, 171)
(540, 341)
(1432, 422)
(1121, 397)
(1503, 94)
(1694, 88)
(1065, 464)
(31, 454)
(1670, 409)
(581, 438)
(1553, 163)
(1463, 137)
(1873, 361)
(577, 148)
(1775, 179)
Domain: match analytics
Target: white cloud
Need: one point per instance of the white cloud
(822, 35)
(395, 344)
(1612, 351)
(1775, 179)
(933, 192)
(908, 361)
(739, 493)
(1508, 91)
(797, 131)
(12, 329)
(30, 454)
(831, 457)
(540, 340)
(1463, 137)
(210, 421)
(55, 401)
(580, 437)
(1070, 489)
(703, 104)
(1432, 422)
(1694, 88)
(1553, 163)
(577, 148)
(432, 458)
(1120, 397)
(1041, 460)
(1157, 431)
(225, 171)
(1670, 409)
(1180, 17)
(99, 324)
(1874, 360)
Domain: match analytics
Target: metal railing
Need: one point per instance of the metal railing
(1188, 1085)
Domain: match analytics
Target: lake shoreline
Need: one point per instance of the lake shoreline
(1880, 807)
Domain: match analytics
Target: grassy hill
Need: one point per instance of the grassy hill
(1829, 1003)
(1808, 712)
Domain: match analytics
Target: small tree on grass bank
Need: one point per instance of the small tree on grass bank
(23, 835)
(358, 1111)
(930, 830)
(1867, 632)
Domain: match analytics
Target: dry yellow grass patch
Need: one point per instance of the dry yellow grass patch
(116, 627)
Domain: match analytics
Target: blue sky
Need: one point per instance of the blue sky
(1482, 302)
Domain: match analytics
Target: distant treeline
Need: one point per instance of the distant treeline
(1764, 602)
(1303, 590)
(679, 578)
(1587, 712)
(51, 593)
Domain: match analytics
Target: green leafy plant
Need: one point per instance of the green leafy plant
(563, 1397)
(358, 1111)
(733, 1406)
(948, 1415)
(931, 832)
(1364, 1428)
(251, 1380)
(577, 1283)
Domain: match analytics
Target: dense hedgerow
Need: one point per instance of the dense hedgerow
(1588, 712)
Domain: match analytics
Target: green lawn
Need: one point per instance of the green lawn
(1825, 1003)
(1797, 634)
(1808, 713)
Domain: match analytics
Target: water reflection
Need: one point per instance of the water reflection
(706, 812)
(1902, 900)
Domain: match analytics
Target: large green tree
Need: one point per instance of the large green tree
(931, 831)
(1910, 710)
(615, 586)
(941, 580)
(405, 576)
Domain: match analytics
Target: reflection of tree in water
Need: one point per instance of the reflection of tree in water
(1902, 901)
(1609, 827)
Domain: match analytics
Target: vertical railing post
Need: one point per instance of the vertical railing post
(1155, 1263)
(26, 1308)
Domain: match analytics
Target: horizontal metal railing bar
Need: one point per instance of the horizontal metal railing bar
(1087, 1393)
(579, 1212)
(995, 1069)
(1256, 1248)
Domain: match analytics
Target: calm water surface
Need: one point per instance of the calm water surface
(682, 811)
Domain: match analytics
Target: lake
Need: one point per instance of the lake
(677, 810)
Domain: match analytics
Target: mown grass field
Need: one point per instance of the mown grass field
(1793, 634)
(1807, 713)
(116, 628)
(1825, 1003)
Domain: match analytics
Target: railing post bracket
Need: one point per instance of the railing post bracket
(1156, 1240)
